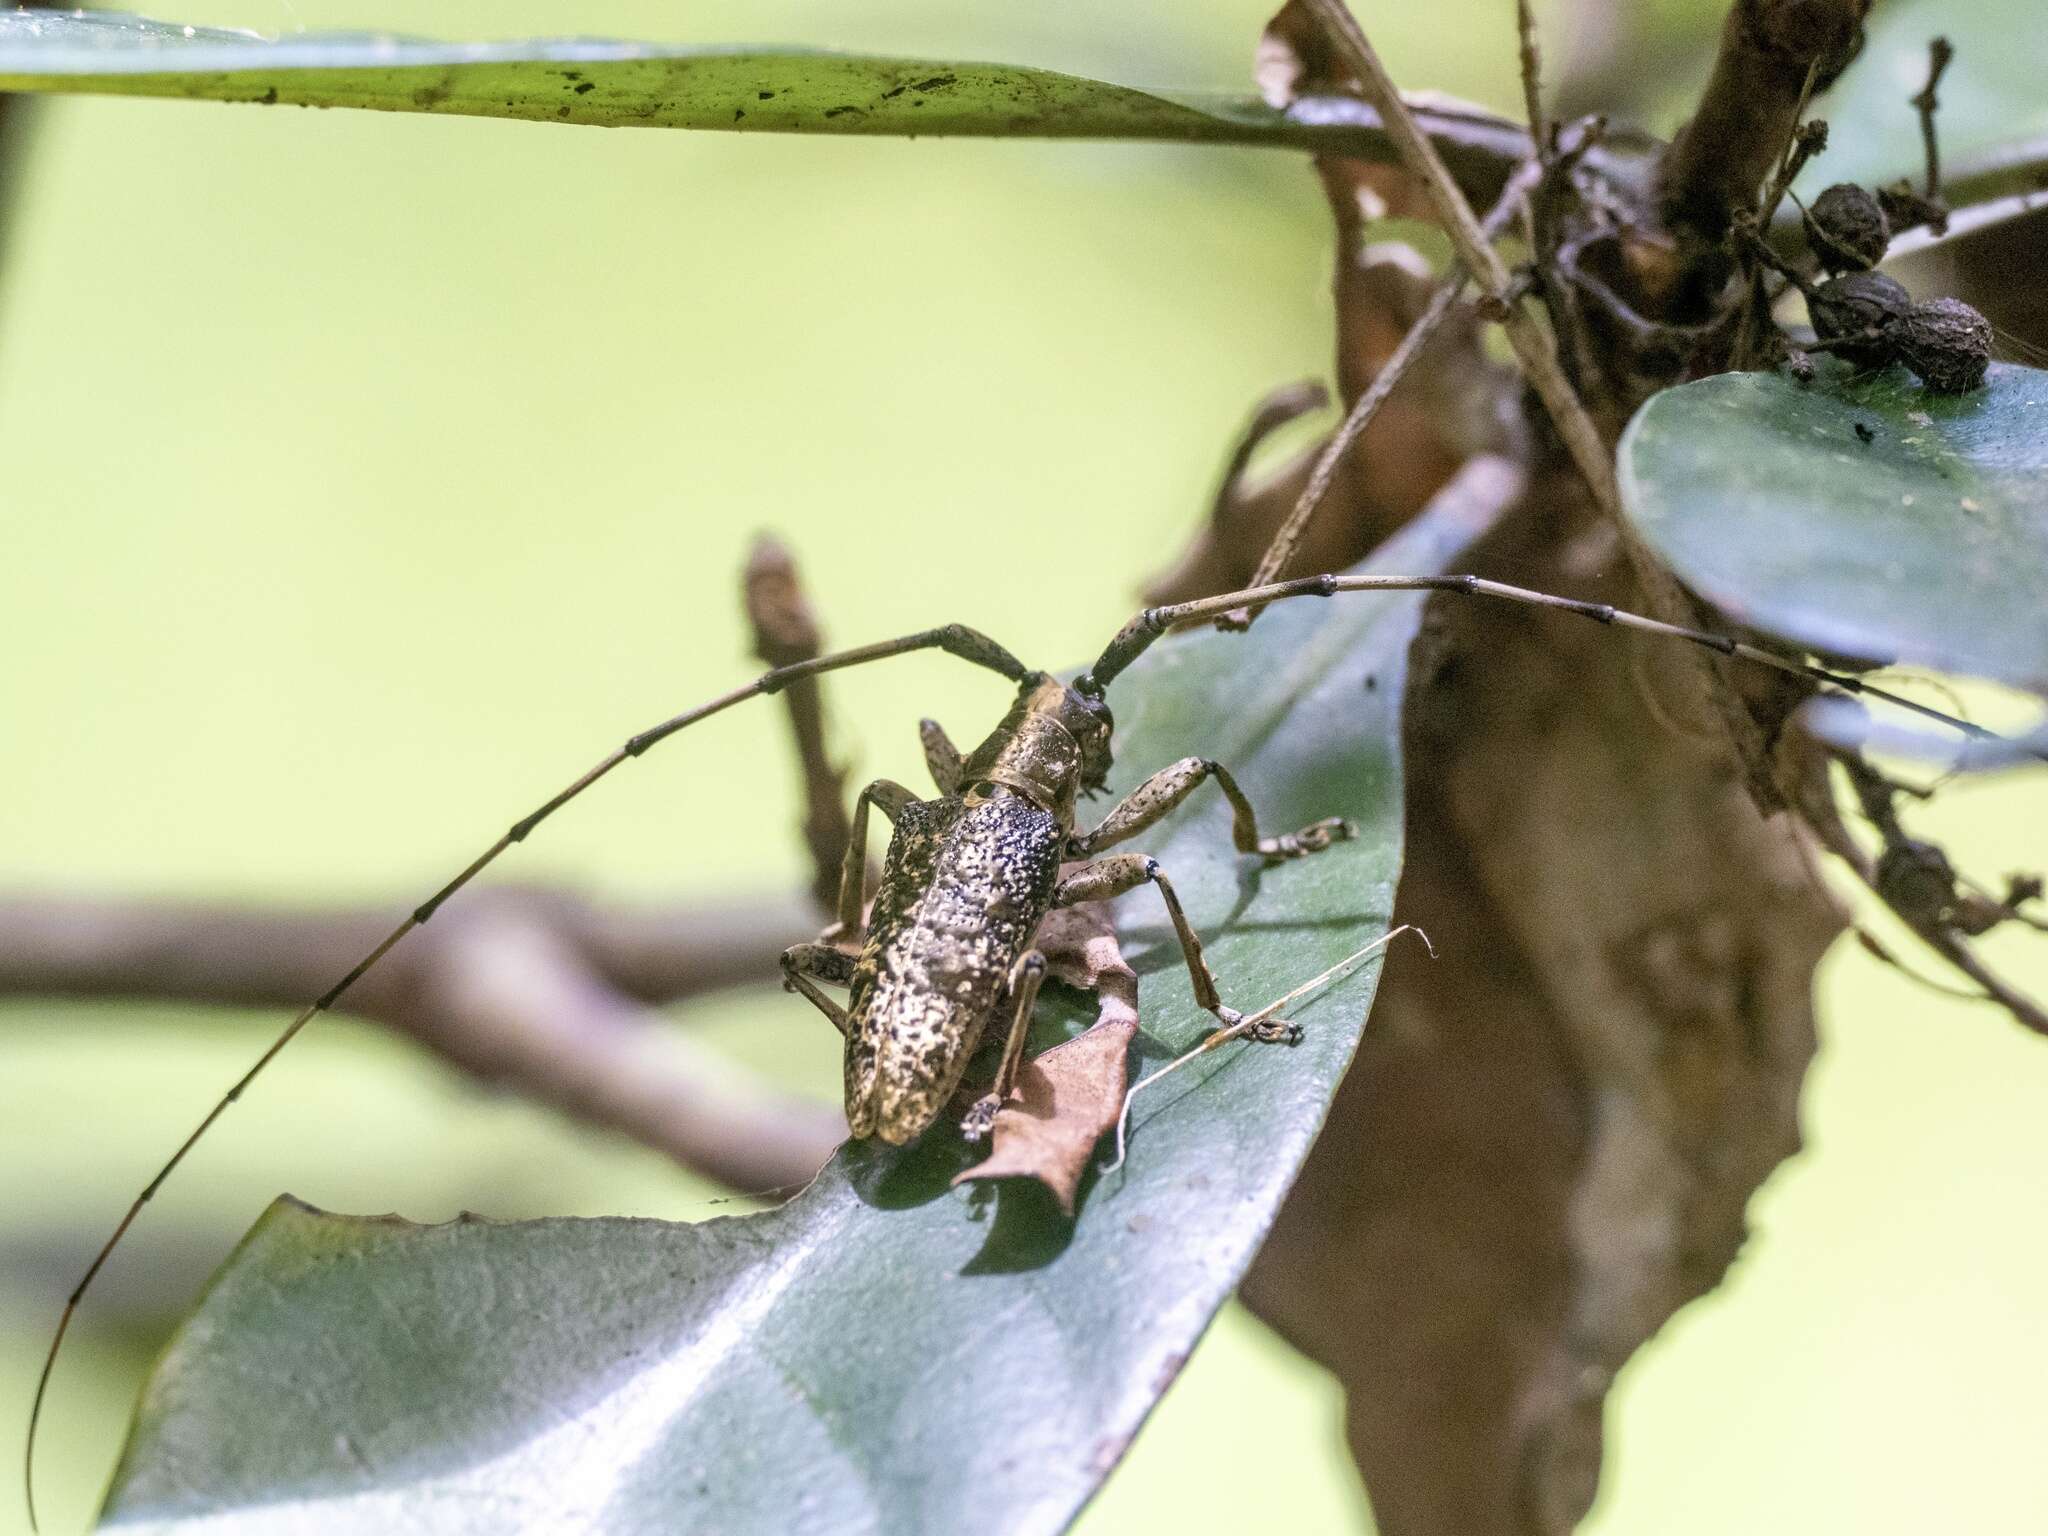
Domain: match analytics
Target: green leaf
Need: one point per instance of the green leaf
(1993, 121)
(651, 85)
(1923, 542)
(884, 1353)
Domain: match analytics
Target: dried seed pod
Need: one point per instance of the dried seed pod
(1854, 315)
(1947, 343)
(1917, 881)
(1847, 229)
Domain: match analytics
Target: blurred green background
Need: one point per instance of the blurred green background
(365, 476)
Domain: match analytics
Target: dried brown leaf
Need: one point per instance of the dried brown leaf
(1549, 1138)
(1065, 1101)
(1295, 59)
(1067, 1098)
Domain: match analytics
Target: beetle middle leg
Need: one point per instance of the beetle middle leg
(1152, 800)
(891, 797)
(1122, 872)
(1020, 993)
(804, 965)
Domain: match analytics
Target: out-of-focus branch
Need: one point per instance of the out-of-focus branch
(1772, 53)
(785, 632)
(537, 991)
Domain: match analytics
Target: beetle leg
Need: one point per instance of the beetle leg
(1152, 800)
(1122, 872)
(1021, 990)
(803, 962)
(891, 797)
(941, 756)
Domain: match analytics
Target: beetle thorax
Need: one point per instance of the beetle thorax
(1050, 746)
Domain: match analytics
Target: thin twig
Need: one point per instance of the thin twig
(1532, 83)
(1806, 141)
(1324, 474)
(1531, 343)
(785, 632)
(1875, 793)
(1939, 53)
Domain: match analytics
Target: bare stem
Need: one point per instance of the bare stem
(1531, 343)
(534, 990)
(786, 632)
(1324, 474)
(1940, 52)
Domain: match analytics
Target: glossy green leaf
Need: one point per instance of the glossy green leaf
(1860, 515)
(651, 85)
(884, 1353)
(1993, 120)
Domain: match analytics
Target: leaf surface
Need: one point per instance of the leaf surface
(652, 85)
(1859, 515)
(1993, 120)
(884, 1353)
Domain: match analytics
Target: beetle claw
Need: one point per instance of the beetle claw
(1277, 1032)
(981, 1119)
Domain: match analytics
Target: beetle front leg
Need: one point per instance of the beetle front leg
(1122, 872)
(941, 757)
(1150, 802)
(1026, 976)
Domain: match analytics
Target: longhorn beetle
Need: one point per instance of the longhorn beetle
(968, 876)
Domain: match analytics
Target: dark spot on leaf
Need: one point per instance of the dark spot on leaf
(562, 111)
(891, 95)
(764, 95)
(1865, 434)
(268, 98)
(738, 113)
(841, 111)
(572, 74)
(935, 83)
(585, 88)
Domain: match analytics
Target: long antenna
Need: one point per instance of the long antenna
(955, 639)
(1136, 637)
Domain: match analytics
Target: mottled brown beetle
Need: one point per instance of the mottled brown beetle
(969, 875)
(967, 880)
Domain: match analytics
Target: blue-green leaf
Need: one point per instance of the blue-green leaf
(1862, 515)
(885, 1353)
(1993, 121)
(652, 85)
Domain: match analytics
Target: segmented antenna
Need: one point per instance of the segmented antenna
(1136, 637)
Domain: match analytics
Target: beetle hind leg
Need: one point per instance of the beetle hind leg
(1021, 991)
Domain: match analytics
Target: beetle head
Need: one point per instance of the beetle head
(1053, 745)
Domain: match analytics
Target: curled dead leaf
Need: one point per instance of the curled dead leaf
(1067, 1098)
(1295, 59)
(1065, 1101)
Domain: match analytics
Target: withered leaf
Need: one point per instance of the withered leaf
(1065, 1101)
(1067, 1098)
